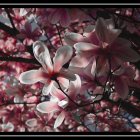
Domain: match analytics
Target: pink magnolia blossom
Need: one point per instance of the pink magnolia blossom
(123, 78)
(65, 15)
(29, 34)
(102, 42)
(18, 15)
(60, 102)
(51, 70)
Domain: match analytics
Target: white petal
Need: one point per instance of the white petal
(81, 60)
(84, 47)
(31, 77)
(31, 122)
(47, 107)
(47, 88)
(64, 83)
(9, 127)
(72, 38)
(77, 83)
(59, 119)
(62, 56)
(42, 54)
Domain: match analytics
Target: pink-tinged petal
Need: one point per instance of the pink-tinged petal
(93, 68)
(62, 56)
(58, 93)
(81, 60)
(47, 107)
(65, 18)
(105, 32)
(31, 122)
(32, 77)
(74, 87)
(63, 82)
(64, 103)
(102, 66)
(50, 116)
(67, 74)
(42, 54)
(48, 88)
(59, 119)
(54, 16)
(90, 34)
(81, 47)
(72, 38)
(76, 83)
(23, 12)
(121, 87)
(122, 48)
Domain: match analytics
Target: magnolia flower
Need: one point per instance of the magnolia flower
(101, 41)
(65, 15)
(59, 101)
(123, 78)
(51, 70)
(29, 33)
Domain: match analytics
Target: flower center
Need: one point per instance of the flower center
(53, 76)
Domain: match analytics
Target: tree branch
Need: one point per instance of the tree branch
(19, 59)
(8, 29)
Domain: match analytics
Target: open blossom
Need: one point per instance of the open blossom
(123, 78)
(51, 70)
(65, 15)
(103, 43)
(29, 33)
(60, 102)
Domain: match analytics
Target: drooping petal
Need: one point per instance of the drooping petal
(74, 87)
(32, 77)
(73, 38)
(42, 54)
(121, 87)
(47, 107)
(82, 46)
(59, 119)
(122, 48)
(63, 82)
(105, 31)
(58, 93)
(48, 88)
(50, 116)
(62, 56)
(81, 59)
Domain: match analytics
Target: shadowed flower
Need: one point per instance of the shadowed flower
(101, 42)
(59, 101)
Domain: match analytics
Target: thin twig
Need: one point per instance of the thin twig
(18, 59)
(10, 18)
